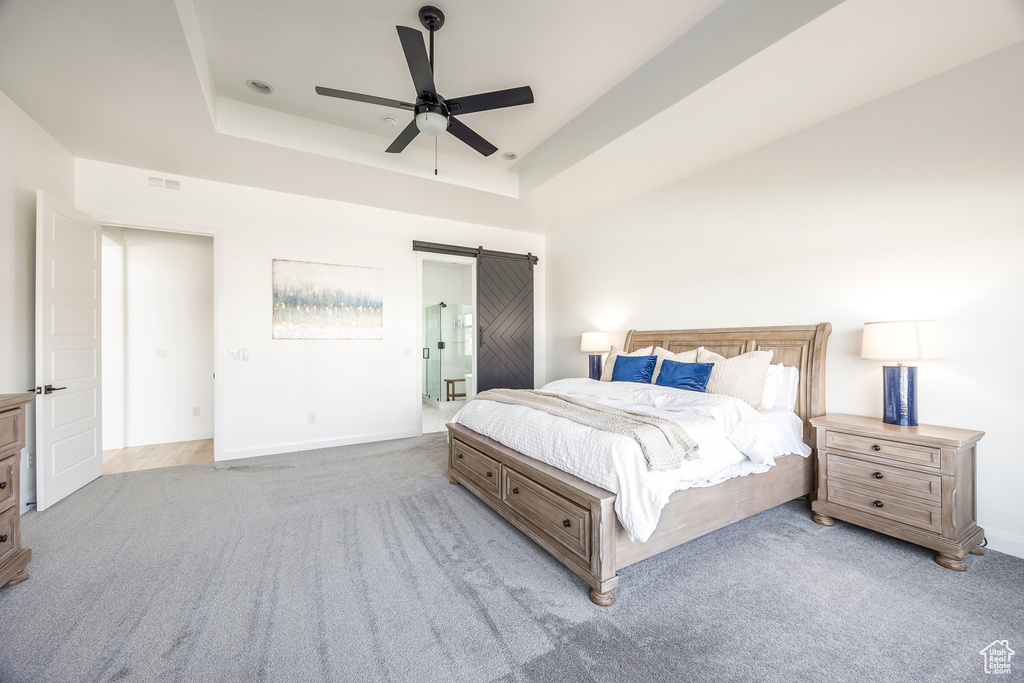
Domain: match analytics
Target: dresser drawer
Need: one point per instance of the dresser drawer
(477, 467)
(8, 533)
(917, 513)
(12, 430)
(885, 477)
(555, 516)
(8, 482)
(894, 450)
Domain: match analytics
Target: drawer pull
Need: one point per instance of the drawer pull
(877, 475)
(3, 485)
(490, 474)
(876, 447)
(878, 503)
(459, 456)
(566, 523)
(515, 490)
(3, 538)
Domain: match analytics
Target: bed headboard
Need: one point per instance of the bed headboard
(800, 346)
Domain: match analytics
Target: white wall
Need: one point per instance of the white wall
(360, 390)
(112, 336)
(30, 159)
(909, 207)
(169, 337)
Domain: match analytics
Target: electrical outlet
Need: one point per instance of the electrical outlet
(159, 353)
(31, 459)
(195, 412)
(312, 418)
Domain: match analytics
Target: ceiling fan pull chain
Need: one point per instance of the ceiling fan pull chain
(435, 156)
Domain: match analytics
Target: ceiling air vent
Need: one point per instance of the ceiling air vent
(164, 183)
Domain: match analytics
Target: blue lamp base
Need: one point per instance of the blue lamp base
(900, 395)
(595, 366)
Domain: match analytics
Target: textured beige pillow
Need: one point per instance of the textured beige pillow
(741, 376)
(609, 362)
(662, 354)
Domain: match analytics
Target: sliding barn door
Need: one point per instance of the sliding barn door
(505, 320)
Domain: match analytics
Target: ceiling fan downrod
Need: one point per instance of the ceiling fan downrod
(432, 19)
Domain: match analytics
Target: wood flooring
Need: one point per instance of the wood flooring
(157, 455)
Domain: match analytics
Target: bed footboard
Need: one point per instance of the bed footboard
(571, 519)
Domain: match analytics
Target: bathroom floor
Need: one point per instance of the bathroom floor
(436, 414)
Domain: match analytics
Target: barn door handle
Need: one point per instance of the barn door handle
(49, 389)
(480, 338)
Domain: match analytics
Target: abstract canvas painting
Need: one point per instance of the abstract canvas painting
(324, 301)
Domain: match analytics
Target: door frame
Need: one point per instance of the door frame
(110, 221)
(422, 256)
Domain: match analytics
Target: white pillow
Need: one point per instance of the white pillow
(781, 385)
(742, 376)
(609, 362)
(662, 354)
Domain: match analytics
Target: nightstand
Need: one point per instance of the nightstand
(915, 483)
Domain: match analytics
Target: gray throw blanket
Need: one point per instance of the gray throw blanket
(665, 444)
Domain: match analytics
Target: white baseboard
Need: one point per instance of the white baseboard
(313, 445)
(132, 440)
(1005, 542)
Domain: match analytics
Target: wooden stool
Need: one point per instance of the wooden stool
(449, 389)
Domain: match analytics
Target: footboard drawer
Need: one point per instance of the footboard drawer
(477, 467)
(557, 517)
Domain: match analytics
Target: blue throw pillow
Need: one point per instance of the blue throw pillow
(634, 368)
(689, 376)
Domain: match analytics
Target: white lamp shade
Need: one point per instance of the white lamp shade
(431, 123)
(595, 342)
(901, 340)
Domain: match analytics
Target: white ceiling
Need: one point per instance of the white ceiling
(625, 102)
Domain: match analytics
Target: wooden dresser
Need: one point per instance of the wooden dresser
(13, 558)
(915, 483)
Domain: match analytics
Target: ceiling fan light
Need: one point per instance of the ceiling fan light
(431, 122)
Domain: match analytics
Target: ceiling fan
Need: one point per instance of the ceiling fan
(435, 114)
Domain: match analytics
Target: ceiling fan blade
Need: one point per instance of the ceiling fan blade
(469, 136)
(358, 97)
(404, 138)
(498, 99)
(419, 65)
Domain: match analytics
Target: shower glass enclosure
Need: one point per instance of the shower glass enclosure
(447, 347)
(432, 350)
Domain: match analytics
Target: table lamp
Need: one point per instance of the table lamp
(595, 343)
(902, 340)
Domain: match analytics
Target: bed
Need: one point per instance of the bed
(575, 521)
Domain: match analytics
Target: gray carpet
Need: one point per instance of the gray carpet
(364, 564)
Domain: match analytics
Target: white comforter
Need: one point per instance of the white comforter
(734, 440)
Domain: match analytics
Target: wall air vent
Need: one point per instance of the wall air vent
(164, 183)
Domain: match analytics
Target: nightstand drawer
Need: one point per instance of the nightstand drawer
(917, 513)
(8, 534)
(885, 477)
(894, 450)
(8, 482)
(12, 430)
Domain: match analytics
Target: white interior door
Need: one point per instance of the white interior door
(68, 437)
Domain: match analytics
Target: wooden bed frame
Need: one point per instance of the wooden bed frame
(575, 521)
